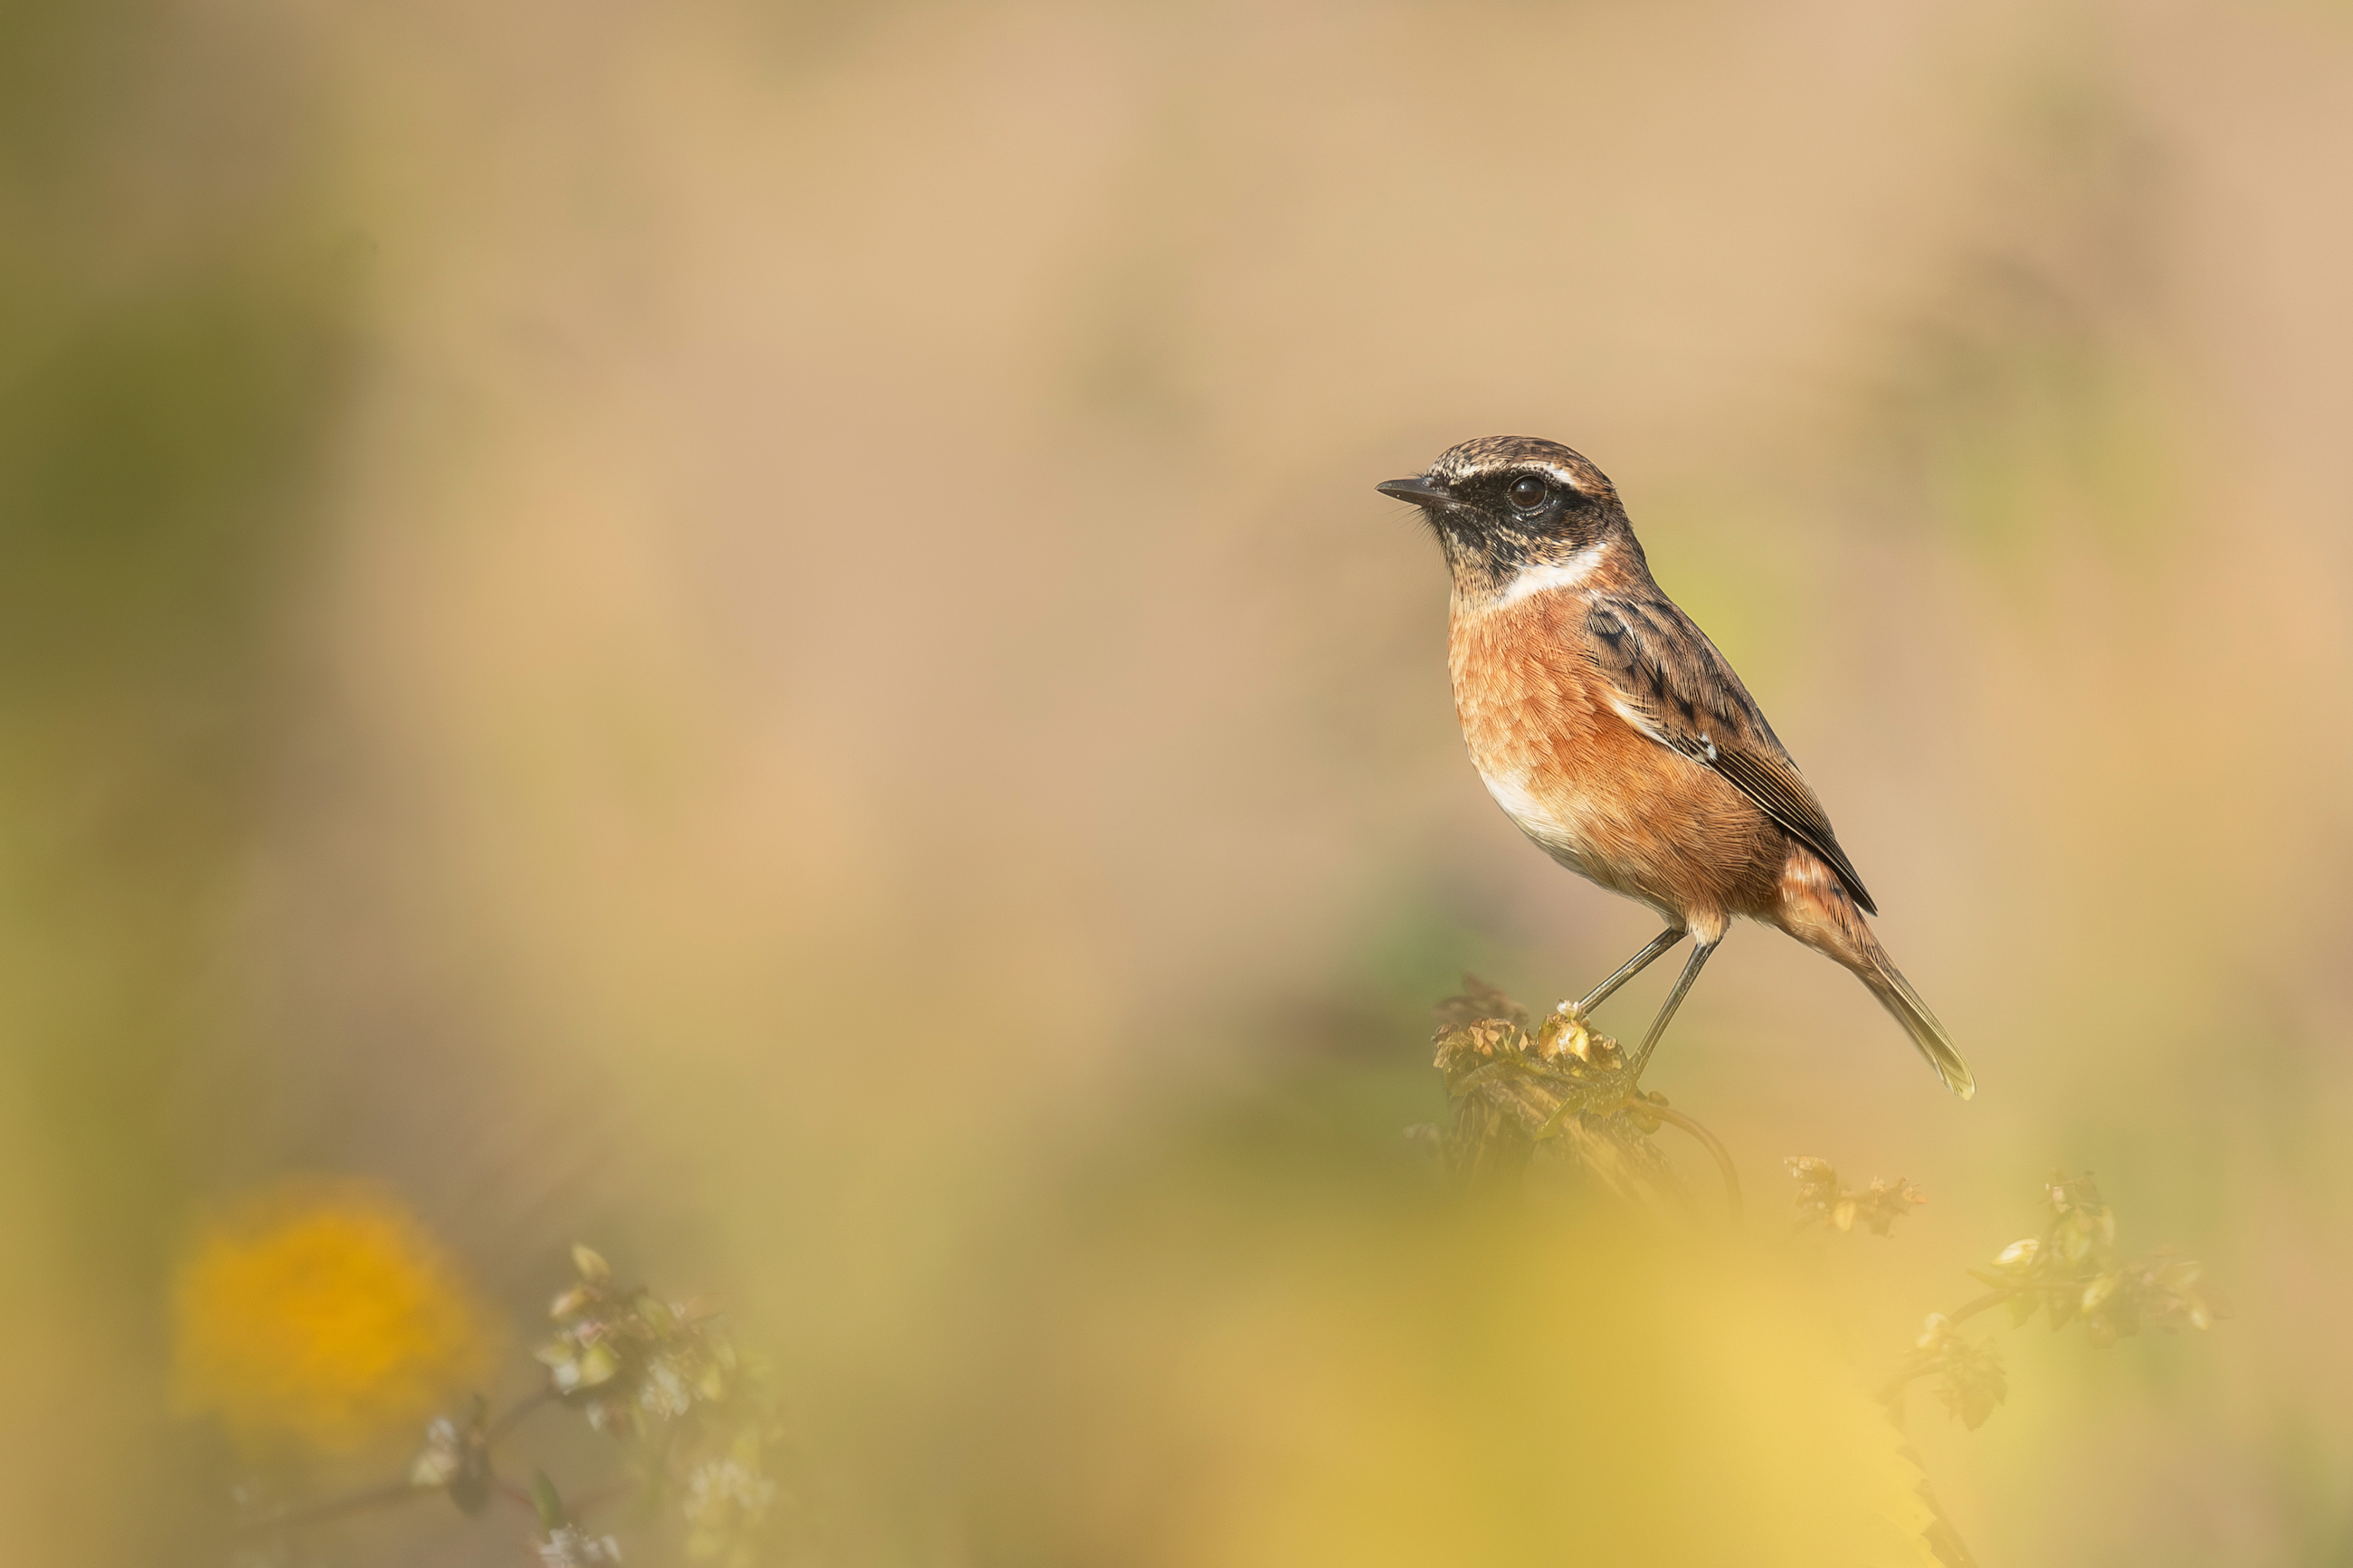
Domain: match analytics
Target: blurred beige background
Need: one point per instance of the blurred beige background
(752, 632)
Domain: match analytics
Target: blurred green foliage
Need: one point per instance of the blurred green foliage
(171, 374)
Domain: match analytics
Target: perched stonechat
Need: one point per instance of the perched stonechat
(1611, 730)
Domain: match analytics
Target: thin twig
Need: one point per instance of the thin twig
(507, 1423)
(1707, 1140)
(390, 1492)
(1963, 1313)
(357, 1502)
(586, 1502)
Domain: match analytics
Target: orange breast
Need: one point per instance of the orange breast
(1601, 797)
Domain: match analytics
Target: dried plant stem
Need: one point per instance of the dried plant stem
(336, 1508)
(1963, 1312)
(1708, 1141)
(514, 1418)
(392, 1492)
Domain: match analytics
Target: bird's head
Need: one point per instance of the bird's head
(1511, 508)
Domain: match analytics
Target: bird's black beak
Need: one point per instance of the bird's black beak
(1420, 492)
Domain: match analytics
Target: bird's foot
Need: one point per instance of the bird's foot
(1565, 1033)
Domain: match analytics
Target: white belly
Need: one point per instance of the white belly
(1560, 832)
(1566, 824)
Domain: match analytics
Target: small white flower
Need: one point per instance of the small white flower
(717, 1482)
(567, 1547)
(665, 1392)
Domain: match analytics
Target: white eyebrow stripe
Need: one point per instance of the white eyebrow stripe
(1534, 580)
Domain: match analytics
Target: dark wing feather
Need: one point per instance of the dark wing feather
(1673, 686)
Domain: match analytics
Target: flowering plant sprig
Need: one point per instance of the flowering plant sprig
(1824, 1198)
(628, 1360)
(701, 1430)
(2072, 1273)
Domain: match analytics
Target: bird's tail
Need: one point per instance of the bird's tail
(1895, 995)
(1817, 909)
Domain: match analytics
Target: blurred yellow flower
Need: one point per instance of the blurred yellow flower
(325, 1314)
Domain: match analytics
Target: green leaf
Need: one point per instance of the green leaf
(598, 1364)
(545, 1501)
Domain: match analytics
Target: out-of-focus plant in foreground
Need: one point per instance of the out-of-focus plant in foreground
(698, 1433)
(1247, 1389)
(1558, 1099)
(1823, 1198)
(2072, 1273)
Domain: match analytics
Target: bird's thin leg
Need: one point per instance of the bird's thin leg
(1631, 968)
(1674, 999)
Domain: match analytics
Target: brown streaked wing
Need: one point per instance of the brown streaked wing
(1679, 691)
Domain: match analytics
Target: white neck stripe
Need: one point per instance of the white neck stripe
(1534, 580)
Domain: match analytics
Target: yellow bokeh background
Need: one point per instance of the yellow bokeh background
(756, 634)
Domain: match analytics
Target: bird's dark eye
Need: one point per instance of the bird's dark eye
(1528, 492)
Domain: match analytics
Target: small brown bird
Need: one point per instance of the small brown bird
(1609, 729)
